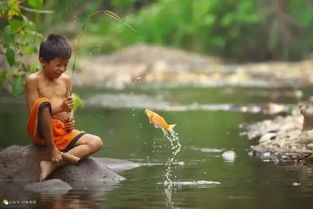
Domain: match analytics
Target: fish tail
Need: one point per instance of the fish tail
(170, 127)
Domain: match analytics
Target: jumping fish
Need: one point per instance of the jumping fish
(158, 121)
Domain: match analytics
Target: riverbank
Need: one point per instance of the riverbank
(149, 64)
(281, 139)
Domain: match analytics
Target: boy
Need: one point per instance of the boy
(49, 102)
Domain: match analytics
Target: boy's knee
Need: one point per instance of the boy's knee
(97, 142)
(46, 112)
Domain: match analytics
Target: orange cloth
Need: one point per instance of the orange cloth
(62, 138)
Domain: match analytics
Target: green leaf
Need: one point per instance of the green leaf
(10, 56)
(78, 102)
(2, 78)
(30, 49)
(8, 36)
(34, 68)
(15, 25)
(18, 86)
(37, 4)
(3, 8)
(14, 9)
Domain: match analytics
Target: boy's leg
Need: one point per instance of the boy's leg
(48, 134)
(55, 154)
(85, 146)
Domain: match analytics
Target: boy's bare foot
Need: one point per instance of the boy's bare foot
(55, 155)
(46, 168)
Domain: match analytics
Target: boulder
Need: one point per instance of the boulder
(52, 186)
(118, 165)
(20, 165)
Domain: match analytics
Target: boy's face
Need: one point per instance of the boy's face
(55, 68)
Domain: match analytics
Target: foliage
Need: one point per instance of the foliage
(302, 12)
(78, 102)
(240, 30)
(18, 41)
(202, 26)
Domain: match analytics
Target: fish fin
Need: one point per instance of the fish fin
(170, 127)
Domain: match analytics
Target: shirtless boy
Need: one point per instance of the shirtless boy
(49, 102)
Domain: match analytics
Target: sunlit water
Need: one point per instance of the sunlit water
(179, 171)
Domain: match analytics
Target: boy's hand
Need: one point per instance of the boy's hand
(69, 124)
(68, 104)
(55, 155)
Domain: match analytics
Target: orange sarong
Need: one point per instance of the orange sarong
(63, 139)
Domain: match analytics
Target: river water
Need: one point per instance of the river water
(198, 175)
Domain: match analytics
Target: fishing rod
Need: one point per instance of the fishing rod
(105, 12)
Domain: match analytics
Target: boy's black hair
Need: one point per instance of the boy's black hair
(55, 46)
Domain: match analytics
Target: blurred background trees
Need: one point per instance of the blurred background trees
(242, 30)
(238, 31)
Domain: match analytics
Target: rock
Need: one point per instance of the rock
(267, 137)
(283, 137)
(20, 165)
(307, 112)
(310, 146)
(52, 186)
(118, 165)
(229, 156)
(87, 173)
(306, 137)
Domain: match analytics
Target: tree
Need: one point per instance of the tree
(19, 39)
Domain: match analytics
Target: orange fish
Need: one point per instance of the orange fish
(158, 121)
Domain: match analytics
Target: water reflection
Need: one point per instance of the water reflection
(79, 199)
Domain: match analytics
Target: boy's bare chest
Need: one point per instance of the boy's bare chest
(52, 90)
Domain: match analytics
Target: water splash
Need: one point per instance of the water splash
(172, 136)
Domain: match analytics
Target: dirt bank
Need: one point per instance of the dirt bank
(142, 63)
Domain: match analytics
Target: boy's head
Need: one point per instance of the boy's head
(54, 47)
(54, 54)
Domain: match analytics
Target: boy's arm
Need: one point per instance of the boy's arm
(69, 86)
(66, 106)
(31, 91)
(69, 122)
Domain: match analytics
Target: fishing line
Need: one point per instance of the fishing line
(105, 12)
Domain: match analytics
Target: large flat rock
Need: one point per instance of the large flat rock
(118, 165)
(52, 186)
(19, 166)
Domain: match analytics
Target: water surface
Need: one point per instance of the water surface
(208, 124)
